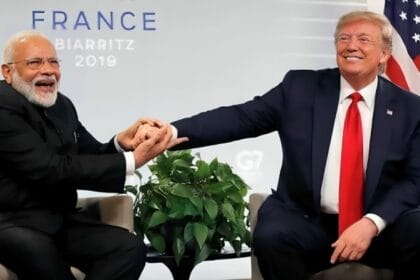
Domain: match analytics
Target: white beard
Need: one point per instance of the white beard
(28, 90)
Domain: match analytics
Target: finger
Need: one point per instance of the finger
(158, 123)
(152, 122)
(168, 136)
(353, 256)
(177, 141)
(345, 253)
(337, 251)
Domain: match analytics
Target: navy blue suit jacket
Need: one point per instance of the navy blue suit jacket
(302, 110)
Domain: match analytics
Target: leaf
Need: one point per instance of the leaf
(177, 212)
(191, 210)
(238, 182)
(157, 240)
(157, 218)
(224, 229)
(178, 248)
(181, 163)
(188, 232)
(175, 206)
(216, 187)
(198, 203)
(227, 187)
(182, 190)
(211, 208)
(202, 254)
(154, 203)
(214, 165)
(200, 232)
(237, 246)
(203, 169)
(236, 198)
(240, 228)
(229, 212)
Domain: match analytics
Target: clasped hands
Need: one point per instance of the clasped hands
(147, 138)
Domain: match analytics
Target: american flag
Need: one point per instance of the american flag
(403, 67)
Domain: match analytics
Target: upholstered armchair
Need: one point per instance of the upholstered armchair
(114, 210)
(345, 271)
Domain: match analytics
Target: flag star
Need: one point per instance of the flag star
(403, 15)
(416, 37)
(416, 19)
(417, 2)
(404, 1)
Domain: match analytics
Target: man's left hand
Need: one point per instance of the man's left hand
(353, 243)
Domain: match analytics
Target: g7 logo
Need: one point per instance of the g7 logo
(249, 160)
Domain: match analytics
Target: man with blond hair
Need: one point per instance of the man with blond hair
(349, 185)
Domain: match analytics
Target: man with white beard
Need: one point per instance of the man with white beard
(46, 154)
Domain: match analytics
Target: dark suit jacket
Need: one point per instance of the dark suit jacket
(302, 110)
(45, 155)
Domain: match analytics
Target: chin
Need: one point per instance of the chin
(44, 99)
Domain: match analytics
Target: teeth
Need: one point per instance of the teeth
(352, 58)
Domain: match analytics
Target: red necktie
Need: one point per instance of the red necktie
(351, 174)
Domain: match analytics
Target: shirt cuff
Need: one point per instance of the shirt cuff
(117, 146)
(130, 163)
(174, 132)
(378, 221)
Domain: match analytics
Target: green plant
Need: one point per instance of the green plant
(190, 207)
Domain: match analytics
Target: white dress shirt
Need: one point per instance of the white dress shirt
(130, 165)
(330, 182)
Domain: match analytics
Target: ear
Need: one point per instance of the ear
(6, 71)
(385, 55)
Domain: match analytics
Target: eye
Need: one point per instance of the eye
(364, 40)
(343, 38)
(55, 62)
(34, 62)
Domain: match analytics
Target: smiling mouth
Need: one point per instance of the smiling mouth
(46, 85)
(352, 58)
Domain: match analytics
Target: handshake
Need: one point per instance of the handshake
(147, 138)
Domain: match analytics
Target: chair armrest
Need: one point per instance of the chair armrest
(116, 210)
(255, 201)
(6, 274)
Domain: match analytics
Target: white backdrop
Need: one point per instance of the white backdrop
(125, 59)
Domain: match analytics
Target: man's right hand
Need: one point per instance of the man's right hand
(156, 143)
(148, 130)
(127, 138)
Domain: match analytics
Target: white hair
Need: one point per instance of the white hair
(9, 49)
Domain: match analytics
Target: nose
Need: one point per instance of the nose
(352, 43)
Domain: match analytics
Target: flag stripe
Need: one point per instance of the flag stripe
(393, 70)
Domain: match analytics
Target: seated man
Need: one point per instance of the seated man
(349, 185)
(46, 155)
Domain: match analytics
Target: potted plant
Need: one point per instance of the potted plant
(191, 207)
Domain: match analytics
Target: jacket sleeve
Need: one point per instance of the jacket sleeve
(31, 151)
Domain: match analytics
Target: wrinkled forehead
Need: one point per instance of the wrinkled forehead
(34, 46)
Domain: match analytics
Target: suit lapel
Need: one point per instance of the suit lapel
(382, 123)
(325, 108)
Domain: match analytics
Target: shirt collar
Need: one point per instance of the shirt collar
(368, 92)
